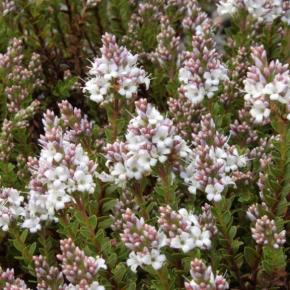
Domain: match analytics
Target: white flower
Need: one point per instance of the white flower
(253, 89)
(93, 3)
(264, 10)
(101, 263)
(162, 137)
(50, 153)
(213, 79)
(194, 93)
(134, 261)
(153, 115)
(214, 191)
(201, 237)
(119, 171)
(96, 89)
(84, 182)
(4, 219)
(157, 259)
(146, 161)
(279, 89)
(234, 161)
(32, 223)
(10, 206)
(60, 173)
(188, 175)
(260, 111)
(184, 75)
(133, 170)
(127, 88)
(227, 7)
(96, 286)
(184, 241)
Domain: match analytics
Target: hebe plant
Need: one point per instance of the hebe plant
(144, 144)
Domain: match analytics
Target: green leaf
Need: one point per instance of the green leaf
(105, 222)
(112, 260)
(251, 256)
(233, 232)
(118, 14)
(63, 87)
(131, 286)
(108, 204)
(93, 221)
(23, 236)
(119, 272)
(32, 248)
(18, 245)
(84, 231)
(273, 259)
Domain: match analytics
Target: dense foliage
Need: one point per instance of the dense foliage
(144, 144)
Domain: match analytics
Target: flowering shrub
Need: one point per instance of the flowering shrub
(144, 144)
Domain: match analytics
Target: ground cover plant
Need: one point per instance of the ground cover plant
(144, 144)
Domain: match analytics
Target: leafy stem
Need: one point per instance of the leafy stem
(85, 218)
(224, 228)
(162, 274)
(166, 186)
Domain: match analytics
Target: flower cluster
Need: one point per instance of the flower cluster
(22, 77)
(262, 10)
(125, 201)
(242, 131)
(265, 232)
(237, 71)
(213, 162)
(147, 13)
(71, 117)
(9, 282)
(201, 72)
(207, 220)
(203, 278)
(10, 206)
(150, 139)
(194, 20)
(18, 122)
(115, 71)
(19, 77)
(63, 168)
(183, 230)
(185, 115)
(8, 6)
(47, 276)
(144, 242)
(265, 83)
(168, 43)
(78, 268)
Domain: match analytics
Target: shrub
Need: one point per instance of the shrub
(144, 144)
